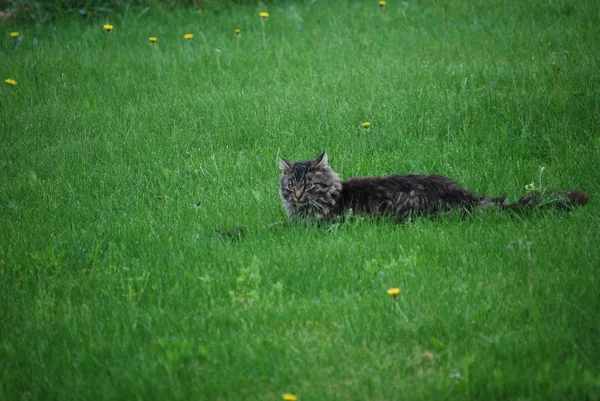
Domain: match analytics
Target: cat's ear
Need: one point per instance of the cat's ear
(285, 165)
(320, 161)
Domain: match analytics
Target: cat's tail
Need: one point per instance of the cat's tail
(557, 200)
(562, 200)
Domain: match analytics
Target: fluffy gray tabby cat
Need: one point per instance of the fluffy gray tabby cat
(311, 189)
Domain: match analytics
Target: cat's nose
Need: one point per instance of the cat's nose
(297, 194)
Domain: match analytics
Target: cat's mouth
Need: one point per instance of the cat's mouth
(309, 207)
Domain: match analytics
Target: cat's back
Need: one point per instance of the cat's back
(401, 195)
(397, 182)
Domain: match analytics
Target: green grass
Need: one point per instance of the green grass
(114, 284)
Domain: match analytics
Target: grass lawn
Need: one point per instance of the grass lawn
(119, 159)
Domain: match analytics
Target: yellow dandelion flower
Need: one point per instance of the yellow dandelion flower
(15, 34)
(366, 124)
(289, 397)
(382, 3)
(152, 39)
(394, 292)
(108, 27)
(263, 17)
(11, 82)
(188, 36)
(238, 32)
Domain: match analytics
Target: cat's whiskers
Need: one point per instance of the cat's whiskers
(316, 205)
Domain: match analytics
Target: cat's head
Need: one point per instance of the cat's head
(309, 188)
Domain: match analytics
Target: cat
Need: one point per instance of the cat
(311, 189)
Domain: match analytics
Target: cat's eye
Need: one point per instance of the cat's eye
(309, 187)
